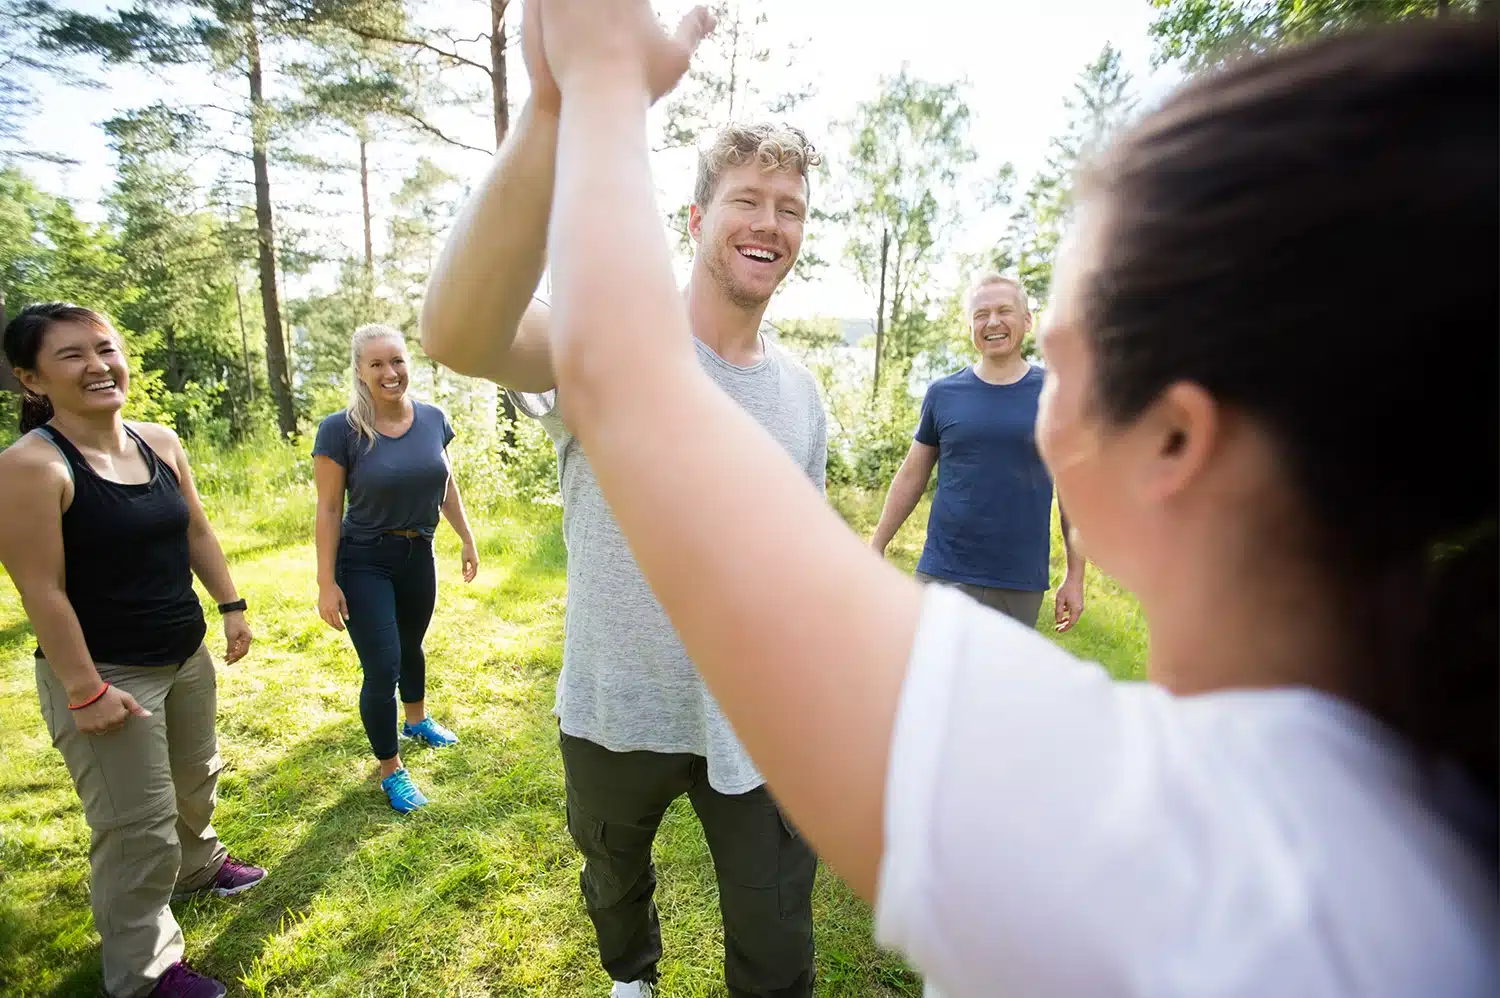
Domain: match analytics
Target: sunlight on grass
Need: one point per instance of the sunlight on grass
(474, 896)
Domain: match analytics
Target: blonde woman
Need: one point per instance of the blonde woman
(376, 576)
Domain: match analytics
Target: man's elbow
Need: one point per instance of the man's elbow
(436, 340)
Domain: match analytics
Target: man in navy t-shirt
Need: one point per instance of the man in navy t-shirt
(990, 530)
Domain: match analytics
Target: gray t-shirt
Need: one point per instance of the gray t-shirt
(626, 682)
(400, 482)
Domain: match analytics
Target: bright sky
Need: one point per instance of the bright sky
(1019, 57)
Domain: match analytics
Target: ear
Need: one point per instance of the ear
(695, 222)
(28, 380)
(1027, 322)
(1184, 430)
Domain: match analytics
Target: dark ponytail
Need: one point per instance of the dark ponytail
(23, 342)
(35, 411)
(1311, 237)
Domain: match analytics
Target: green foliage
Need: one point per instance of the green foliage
(901, 198)
(181, 304)
(422, 212)
(478, 893)
(727, 80)
(1100, 104)
(1205, 32)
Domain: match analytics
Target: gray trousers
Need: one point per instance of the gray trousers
(148, 793)
(1018, 604)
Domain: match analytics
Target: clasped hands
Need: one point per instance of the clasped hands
(572, 45)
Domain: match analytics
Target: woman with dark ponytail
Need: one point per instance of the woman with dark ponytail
(102, 532)
(1270, 410)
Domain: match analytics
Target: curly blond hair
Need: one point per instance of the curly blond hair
(774, 147)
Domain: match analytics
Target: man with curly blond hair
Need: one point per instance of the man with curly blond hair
(638, 729)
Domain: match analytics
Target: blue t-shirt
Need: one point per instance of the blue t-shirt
(991, 521)
(399, 483)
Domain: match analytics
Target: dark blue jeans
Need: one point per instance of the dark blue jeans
(390, 585)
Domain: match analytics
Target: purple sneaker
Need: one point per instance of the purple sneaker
(233, 878)
(182, 981)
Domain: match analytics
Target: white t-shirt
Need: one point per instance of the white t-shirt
(1051, 832)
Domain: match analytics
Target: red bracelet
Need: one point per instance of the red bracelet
(91, 700)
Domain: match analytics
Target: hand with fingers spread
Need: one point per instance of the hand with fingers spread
(614, 41)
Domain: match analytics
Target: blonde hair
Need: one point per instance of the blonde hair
(774, 147)
(995, 277)
(361, 410)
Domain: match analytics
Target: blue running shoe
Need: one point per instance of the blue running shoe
(404, 795)
(431, 732)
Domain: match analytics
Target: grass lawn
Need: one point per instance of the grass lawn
(474, 895)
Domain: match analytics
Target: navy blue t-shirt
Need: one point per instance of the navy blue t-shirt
(991, 521)
(399, 483)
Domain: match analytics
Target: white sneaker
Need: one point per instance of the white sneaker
(635, 989)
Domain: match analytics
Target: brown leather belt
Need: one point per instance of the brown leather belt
(405, 533)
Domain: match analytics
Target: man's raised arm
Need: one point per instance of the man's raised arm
(479, 317)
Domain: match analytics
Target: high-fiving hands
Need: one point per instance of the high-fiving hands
(575, 43)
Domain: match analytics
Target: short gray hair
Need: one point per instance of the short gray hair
(995, 277)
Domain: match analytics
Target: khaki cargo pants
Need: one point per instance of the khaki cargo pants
(148, 794)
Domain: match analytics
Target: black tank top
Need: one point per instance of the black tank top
(125, 554)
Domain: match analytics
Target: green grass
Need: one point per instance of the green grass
(475, 895)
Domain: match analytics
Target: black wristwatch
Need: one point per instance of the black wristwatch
(238, 604)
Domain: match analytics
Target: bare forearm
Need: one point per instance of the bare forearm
(209, 564)
(61, 640)
(453, 512)
(326, 534)
(495, 255)
(906, 491)
(1075, 560)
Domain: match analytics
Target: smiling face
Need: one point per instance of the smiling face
(750, 232)
(998, 319)
(80, 368)
(383, 368)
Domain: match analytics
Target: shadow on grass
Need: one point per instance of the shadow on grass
(16, 633)
(248, 552)
(295, 878)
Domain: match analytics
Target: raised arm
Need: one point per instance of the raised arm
(799, 631)
(906, 491)
(479, 317)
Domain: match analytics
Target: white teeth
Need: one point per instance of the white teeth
(99, 386)
(758, 254)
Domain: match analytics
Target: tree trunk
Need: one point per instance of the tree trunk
(270, 300)
(239, 308)
(8, 382)
(885, 248)
(364, 195)
(1442, 8)
(505, 409)
(497, 70)
(174, 370)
